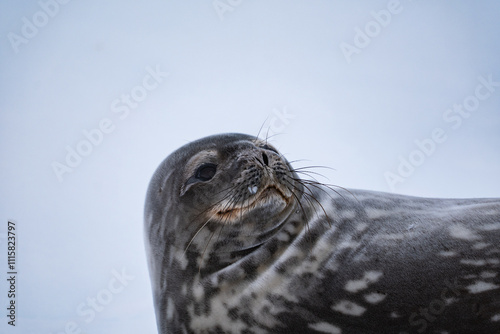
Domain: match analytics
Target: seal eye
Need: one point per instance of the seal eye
(205, 172)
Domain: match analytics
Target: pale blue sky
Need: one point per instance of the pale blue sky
(277, 63)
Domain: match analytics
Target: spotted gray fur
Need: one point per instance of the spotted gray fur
(331, 262)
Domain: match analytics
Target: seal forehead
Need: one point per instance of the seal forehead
(172, 167)
(184, 153)
(215, 142)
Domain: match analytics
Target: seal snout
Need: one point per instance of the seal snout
(259, 182)
(268, 174)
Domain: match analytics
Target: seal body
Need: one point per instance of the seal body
(238, 243)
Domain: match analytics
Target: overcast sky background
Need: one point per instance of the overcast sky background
(233, 69)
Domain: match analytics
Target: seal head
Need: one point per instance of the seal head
(209, 204)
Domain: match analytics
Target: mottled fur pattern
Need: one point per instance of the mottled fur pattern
(325, 262)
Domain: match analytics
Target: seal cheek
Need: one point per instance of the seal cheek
(195, 194)
(186, 186)
(184, 190)
(191, 188)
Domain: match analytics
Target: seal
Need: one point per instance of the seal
(237, 242)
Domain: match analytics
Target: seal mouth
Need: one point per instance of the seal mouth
(267, 195)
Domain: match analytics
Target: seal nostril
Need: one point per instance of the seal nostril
(266, 160)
